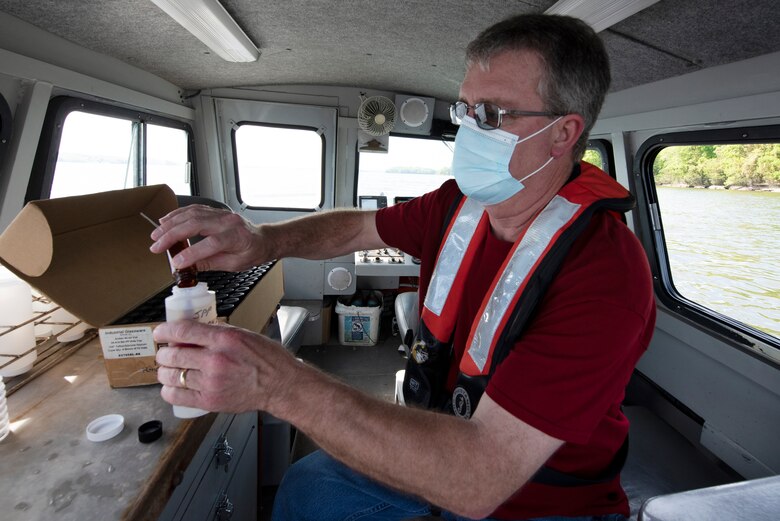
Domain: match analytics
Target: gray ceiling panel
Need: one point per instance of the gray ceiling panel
(413, 46)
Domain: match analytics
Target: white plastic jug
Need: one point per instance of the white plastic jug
(16, 308)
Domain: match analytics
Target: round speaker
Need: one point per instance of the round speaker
(339, 278)
(414, 112)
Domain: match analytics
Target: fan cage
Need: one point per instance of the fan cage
(369, 111)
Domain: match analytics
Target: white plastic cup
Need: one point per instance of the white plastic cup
(15, 309)
(195, 303)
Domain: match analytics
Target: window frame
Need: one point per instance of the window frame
(60, 107)
(6, 127)
(737, 333)
(237, 174)
(605, 149)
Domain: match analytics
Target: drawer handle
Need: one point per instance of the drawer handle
(223, 453)
(224, 508)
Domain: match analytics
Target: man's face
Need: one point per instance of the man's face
(511, 81)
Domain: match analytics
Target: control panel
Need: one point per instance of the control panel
(386, 261)
(384, 255)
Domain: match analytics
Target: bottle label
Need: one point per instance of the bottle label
(127, 342)
(206, 314)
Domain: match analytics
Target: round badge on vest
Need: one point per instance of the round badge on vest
(461, 403)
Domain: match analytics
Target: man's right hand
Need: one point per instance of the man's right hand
(230, 242)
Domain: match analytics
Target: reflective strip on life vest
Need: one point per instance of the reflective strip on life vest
(452, 254)
(537, 239)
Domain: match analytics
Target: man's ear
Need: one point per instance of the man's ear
(567, 131)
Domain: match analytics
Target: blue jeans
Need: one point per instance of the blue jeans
(319, 488)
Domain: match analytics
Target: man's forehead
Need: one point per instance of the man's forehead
(508, 77)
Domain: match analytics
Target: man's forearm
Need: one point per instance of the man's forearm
(443, 459)
(400, 447)
(323, 235)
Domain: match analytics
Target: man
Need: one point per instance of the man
(540, 375)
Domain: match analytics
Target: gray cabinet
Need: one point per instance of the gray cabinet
(220, 482)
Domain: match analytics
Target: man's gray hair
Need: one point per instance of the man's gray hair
(575, 75)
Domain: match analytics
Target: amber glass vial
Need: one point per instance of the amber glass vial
(184, 277)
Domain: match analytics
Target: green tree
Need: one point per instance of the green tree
(694, 160)
(768, 163)
(728, 165)
(731, 160)
(673, 169)
(593, 157)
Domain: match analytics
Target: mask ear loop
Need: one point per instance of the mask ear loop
(538, 169)
(532, 135)
(556, 120)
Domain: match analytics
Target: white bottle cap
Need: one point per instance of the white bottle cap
(105, 427)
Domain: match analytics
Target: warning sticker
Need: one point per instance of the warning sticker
(127, 342)
(356, 328)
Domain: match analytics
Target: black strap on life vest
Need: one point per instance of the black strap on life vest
(549, 476)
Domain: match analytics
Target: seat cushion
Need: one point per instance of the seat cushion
(754, 500)
(407, 312)
(291, 321)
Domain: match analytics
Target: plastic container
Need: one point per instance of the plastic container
(4, 420)
(195, 303)
(359, 319)
(15, 309)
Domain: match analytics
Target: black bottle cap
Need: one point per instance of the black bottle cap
(150, 431)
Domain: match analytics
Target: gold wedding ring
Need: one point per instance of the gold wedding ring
(183, 378)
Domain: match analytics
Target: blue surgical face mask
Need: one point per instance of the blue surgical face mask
(480, 163)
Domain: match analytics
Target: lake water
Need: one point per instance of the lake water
(724, 251)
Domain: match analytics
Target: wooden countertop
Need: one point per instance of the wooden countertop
(50, 470)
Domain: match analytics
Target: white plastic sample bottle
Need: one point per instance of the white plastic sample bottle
(15, 309)
(4, 421)
(192, 303)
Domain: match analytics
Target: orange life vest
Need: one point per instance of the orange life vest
(517, 288)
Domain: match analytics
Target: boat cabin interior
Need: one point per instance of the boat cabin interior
(279, 109)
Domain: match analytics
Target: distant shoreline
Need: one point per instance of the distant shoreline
(734, 188)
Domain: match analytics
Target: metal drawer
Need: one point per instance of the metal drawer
(238, 501)
(214, 464)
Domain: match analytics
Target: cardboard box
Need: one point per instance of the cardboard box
(90, 254)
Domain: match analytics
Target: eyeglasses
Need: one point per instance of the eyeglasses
(488, 115)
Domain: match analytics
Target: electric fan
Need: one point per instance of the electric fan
(376, 115)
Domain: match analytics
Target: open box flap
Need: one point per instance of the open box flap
(90, 253)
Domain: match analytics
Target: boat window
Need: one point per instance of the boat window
(409, 168)
(279, 166)
(715, 208)
(599, 153)
(88, 147)
(167, 158)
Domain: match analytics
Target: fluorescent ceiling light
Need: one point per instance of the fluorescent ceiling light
(212, 25)
(600, 14)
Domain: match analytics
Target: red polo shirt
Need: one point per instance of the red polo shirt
(567, 374)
